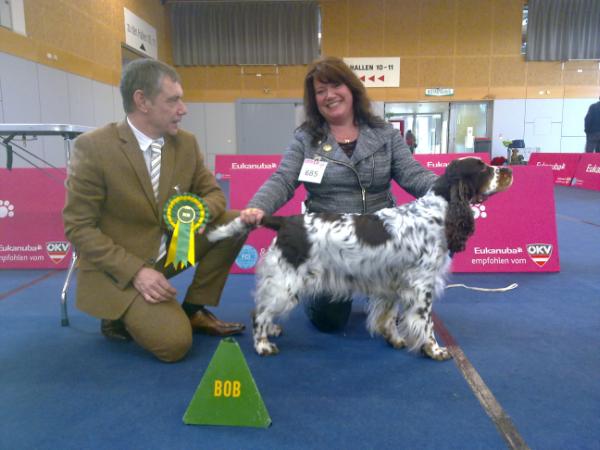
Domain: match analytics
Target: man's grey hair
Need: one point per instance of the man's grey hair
(145, 75)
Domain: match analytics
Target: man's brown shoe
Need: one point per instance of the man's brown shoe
(114, 330)
(203, 321)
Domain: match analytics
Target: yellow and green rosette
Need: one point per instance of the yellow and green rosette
(184, 214)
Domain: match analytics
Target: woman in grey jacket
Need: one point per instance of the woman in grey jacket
(346, 157)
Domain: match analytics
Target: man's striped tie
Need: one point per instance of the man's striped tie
(156, 149)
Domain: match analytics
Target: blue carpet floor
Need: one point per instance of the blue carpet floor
(535, 347)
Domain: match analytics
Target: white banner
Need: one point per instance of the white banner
(140, 35)
(376, 72)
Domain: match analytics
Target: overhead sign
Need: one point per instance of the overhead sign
(376, 72)
(140, 35)
(439, 92)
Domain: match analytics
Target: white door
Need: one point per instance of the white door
(468, 120)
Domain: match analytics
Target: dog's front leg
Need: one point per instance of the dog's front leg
(263, 327)
(431, 348)
(434, 351)
(274, 298)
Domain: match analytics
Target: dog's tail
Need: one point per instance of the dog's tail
(237, 227)
(272, 222)
(233, 228)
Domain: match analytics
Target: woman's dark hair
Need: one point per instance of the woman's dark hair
(330, 69)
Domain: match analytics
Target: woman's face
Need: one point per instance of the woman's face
(334, 101)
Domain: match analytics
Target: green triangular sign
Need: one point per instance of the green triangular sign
(227, 393)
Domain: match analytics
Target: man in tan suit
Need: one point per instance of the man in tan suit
(114, 220)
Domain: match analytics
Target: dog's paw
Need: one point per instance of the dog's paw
(274, 330)
(265, 348)
(434, 351)
(396, 342)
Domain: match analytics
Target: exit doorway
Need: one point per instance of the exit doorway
(442, 127)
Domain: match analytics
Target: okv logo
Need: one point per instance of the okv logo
(6, 209)
(57, 250)
(539, 253)
(247, 257)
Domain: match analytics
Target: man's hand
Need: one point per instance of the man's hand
(153, 286)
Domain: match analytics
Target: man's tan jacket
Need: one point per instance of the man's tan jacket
(111, 216)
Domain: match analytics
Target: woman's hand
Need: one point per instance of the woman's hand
(252, 216)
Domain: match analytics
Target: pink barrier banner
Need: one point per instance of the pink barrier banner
(587, 174)
(515, 231)
(437, 162)
(563, 165)
(224, 164)
(31, 227)
(244, 183)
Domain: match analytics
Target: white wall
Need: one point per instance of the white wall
(508, 123)
(546, 125)
(32, 93)
(573, 134)
(213, 124)
(20, 100)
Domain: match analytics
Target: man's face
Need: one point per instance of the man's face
(166, 110)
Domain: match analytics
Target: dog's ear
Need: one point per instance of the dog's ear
(452, 183)
(460, 223)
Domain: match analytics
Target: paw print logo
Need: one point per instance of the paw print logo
(479, 211)
(6, 209)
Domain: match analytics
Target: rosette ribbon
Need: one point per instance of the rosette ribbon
(184, 214)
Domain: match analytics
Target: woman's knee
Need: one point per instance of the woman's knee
(328, 315)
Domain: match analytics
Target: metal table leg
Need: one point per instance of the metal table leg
(63, 295)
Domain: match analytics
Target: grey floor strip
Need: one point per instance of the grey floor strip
(494, 410)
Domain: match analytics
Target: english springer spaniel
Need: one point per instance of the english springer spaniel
(399, 257)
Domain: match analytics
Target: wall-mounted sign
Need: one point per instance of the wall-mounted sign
(140, 35)
(439, 92)
(376, 72)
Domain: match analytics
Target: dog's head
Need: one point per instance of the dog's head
(468, 180)
(471, 180)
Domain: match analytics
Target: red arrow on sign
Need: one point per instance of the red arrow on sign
(372, 78)
(382, 78)
(362, 78)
